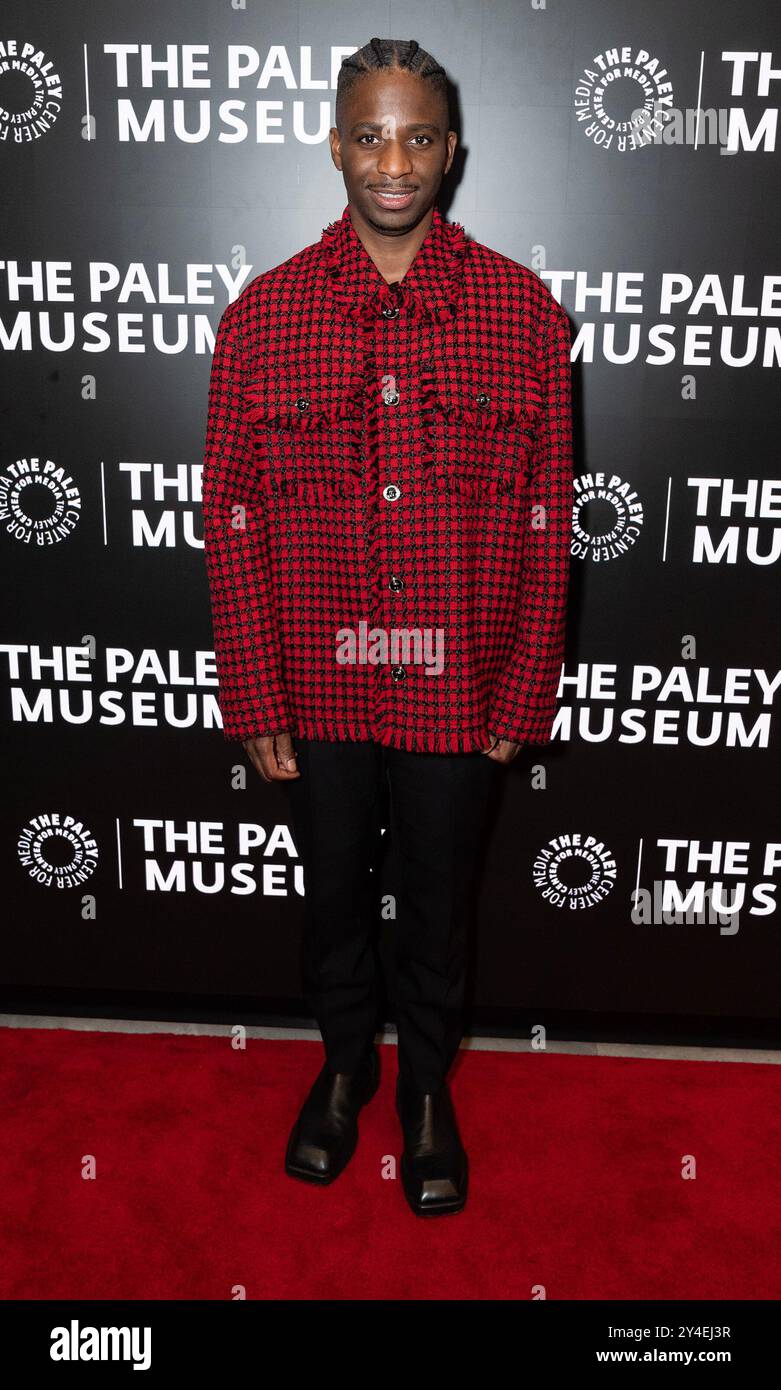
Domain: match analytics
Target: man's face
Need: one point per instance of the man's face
(394, 139)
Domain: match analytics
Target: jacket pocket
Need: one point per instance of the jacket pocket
(306, 437)
(481, 421)
(275, 403)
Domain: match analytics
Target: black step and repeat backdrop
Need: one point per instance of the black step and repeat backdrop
(156, 157)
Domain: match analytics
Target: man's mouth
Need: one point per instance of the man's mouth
(396, 199)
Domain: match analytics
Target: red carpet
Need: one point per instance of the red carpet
(575, 1178)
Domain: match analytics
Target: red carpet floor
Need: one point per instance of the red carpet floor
(575, 1178)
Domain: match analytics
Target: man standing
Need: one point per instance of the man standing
(387, 499)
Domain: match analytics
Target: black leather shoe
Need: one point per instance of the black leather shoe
(323, 1138)
(434, 1167)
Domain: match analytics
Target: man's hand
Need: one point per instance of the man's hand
(502, 750)
(273, 757)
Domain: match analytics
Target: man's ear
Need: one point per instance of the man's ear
(335, 143)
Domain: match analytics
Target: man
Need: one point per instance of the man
(387, 498)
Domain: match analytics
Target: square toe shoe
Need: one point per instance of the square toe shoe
(323, 1138)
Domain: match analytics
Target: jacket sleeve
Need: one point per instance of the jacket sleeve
(251, 695)
(523, 703)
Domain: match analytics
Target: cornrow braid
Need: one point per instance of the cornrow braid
(388, 53)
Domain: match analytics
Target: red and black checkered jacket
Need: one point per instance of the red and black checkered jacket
(387, 497)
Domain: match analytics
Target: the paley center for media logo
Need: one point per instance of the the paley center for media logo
(30, 92)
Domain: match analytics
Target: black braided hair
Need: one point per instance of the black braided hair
(388, 53)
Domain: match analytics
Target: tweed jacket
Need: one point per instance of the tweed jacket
(387, 497)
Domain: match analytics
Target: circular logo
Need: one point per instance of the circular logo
(58, 851)
(30, 92)
(574, 871)
(621, 99)
(39, 502)
(607, 517)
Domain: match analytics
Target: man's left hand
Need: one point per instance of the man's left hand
(502, 750)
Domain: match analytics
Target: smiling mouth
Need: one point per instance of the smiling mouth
(393, 197)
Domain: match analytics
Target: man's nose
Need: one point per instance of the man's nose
(394, 161)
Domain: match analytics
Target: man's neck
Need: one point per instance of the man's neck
(392, 255)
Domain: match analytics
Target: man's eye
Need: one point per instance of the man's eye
(368, 136)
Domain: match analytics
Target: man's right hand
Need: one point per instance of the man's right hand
(273, 757)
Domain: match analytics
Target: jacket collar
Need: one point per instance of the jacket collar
(430, 287)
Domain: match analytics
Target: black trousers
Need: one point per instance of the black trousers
(436, 804)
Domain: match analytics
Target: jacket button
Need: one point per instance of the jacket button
(302, 403)
(483, 400)
(398, 673)
(395, 583)
(391, 311)
(391, 492)
(391, 396)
